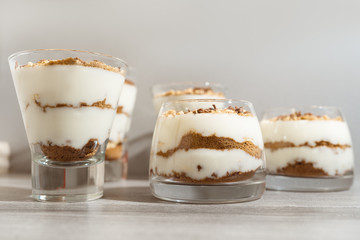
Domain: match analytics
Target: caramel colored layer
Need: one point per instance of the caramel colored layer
(305, 116)
(120, 110)
(273, 146)
(231, 110)
(99, 104)
(114, 153)
(75, 61)
(193, 140)
(229, 177)
(68, 153)
(129, 82)
(302, 169)
(191, 91)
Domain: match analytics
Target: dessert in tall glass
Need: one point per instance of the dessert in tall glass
(68, 100)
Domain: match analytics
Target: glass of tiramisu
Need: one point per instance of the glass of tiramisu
(116, 155)
(68, 100)
(207, 151)
(185, 90)
(307, 149)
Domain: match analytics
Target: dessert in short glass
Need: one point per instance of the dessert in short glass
(68, 100)
(207, 151)
(307, 149)
(116, 155)
(185, 90)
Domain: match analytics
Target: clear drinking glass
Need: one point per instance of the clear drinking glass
(307, 149)
(68, 100)
(185, 90)
(207, 151)
(116, 155)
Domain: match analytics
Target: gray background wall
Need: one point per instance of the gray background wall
(273, 53)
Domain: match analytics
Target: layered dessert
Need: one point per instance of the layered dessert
(68, 105)
(188, 93)
(306, 145)
(207, 146)
(122, 121)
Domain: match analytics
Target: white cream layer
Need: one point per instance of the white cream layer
(128, 97)
(67, 84)
(332, 160)
(122, 121)
(118, 130)
(158, 101)
(301, 131)
(170, 129)
(211, 161)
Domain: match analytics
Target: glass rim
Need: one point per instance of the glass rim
(300, 108)
(208, 100)
(24, 52)
(188, 83)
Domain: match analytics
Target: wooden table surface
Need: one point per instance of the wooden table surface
(129, 211)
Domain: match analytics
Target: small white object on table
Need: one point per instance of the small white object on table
(4, 157)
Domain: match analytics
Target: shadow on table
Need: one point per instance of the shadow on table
(139, 153)
(132, 194)
(15, 194)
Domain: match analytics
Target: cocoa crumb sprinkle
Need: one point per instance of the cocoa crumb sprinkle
(99, 104)
(194, 140)
(74, 61)
(191, 91)
(67, 153)
(230, 110)
(304, 116)
(213, 179)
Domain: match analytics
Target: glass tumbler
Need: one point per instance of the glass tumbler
(185, 90)
(116, 155)
(307, 149)
(68, 100)
(207, 151)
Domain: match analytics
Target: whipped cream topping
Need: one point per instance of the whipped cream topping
(301, 131)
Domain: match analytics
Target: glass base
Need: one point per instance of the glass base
(306, 184)
(67, 182)
(243, 191)
(116, 170)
